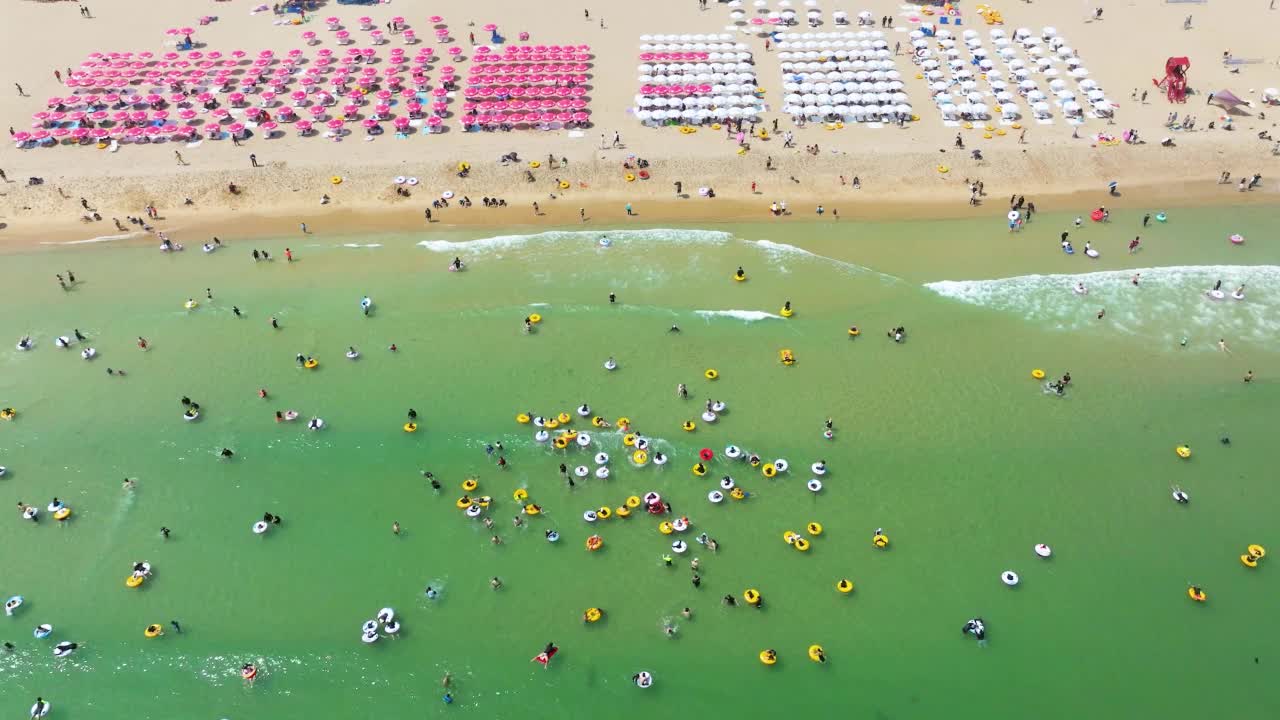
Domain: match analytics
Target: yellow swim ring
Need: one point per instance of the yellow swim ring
(463, 503)
(711, 374)
(597, 421)
(986, 136)
(784, 312)
(1016, 126)
(535, 318)
(560, 443)
(604, 513)
(520, 494)
(8, 414)
(739, 278)
(622, 421)
(311, 364)
(134, 581)
(523, 419)
(715, 126)
(464, 165)
(967, 126)
(1183, 451)
(470, 484)
(411, 427)
(752, 596)
(63, 513)
(623, 511)
(943, 169)
(336, 180)
(801, 544)
(769, 470)
(789, 536)
(699, 469)
(845, 586)
(564, 184)
(688, 426)
(569, 435)
(640, 457)
(815, 529)
(737, 493)
(880, 541)
(633, 501)
(535, 164)
(1037, 374)
(817, 654)
(665, 528)
(1257, 551)
(629, 177)
(153, 630)
(1001, 132)
(1197, 594)
(564, 418)
(854, 332)
(768, 657)
(551, 424)
(1249, 561)
(593, 615)
(531, 509)
(629, 439)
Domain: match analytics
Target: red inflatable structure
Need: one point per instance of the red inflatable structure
(1174, 83)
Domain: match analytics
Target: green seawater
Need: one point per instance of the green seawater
(944, 440)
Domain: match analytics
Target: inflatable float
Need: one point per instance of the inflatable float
(89, 353)
(12, 604)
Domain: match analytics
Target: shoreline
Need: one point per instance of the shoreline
(365, 202)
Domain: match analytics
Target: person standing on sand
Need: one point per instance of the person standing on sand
(582, 214)
(253, 160)
(178, 155)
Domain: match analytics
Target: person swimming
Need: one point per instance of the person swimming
(456, 264)
(431, 593)
(975, 627)
(413, 414)
(741, 273)
(682, 390)
(1217, 285)
(897, 333)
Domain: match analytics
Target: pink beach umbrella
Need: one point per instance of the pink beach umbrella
(187, 114)
(366, 23)
(333, 23)
(401, 122)
(435, 19)
(220, 113)
(304, 127)
(434, 122)
(409, 37)
(334, 124)
(236, 128)
(309, 37)
(100, 133)
(317, 111)
(21, 137)
(269, 127)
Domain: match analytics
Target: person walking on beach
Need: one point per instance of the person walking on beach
(178, 155)
(21, 92)
(288, 254)
(253, 160)
(582, 214)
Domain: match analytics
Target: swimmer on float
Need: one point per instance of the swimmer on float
(975, 627)
(24, 343)
(1089, 251)
(64, 649)
(1238, 294)
(456, 265)
(1080, 289)
(610, 364)
(584, 410)
(642, 679)
(1180, 496)
(1216, 293)
(740, 275)
(898, 334)
(352, 353)
(366, 304)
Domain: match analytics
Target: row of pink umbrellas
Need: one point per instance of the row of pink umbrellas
(532, 49)
(488, 106)
(527, 68)
(518, 91)
(552, 79)
(527, 118)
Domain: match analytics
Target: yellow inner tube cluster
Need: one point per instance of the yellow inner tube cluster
(880, 541)
(845, 586)
(593, 615)
(1037, 374)
(686, 130)
(1183, 451)
(711, 374)
(769, 470)
(411, 427)
(688, 426)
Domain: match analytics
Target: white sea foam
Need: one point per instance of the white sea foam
(745, 315)
(98, 239)
(585, 237)
(365, 245)
(1169, 303)
(780, 252)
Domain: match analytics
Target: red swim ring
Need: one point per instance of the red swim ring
(643, 174)
(1096, 215)
(706, 453)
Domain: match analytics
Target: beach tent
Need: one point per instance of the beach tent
(1226, 100)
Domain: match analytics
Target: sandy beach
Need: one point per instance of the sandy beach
(897, 167)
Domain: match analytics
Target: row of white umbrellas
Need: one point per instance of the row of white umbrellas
(696, 67)
(699, 78)
(692, 47)
(697, 115)
(700, 37)
(843, 35)
(854, 66)
(697, 101)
